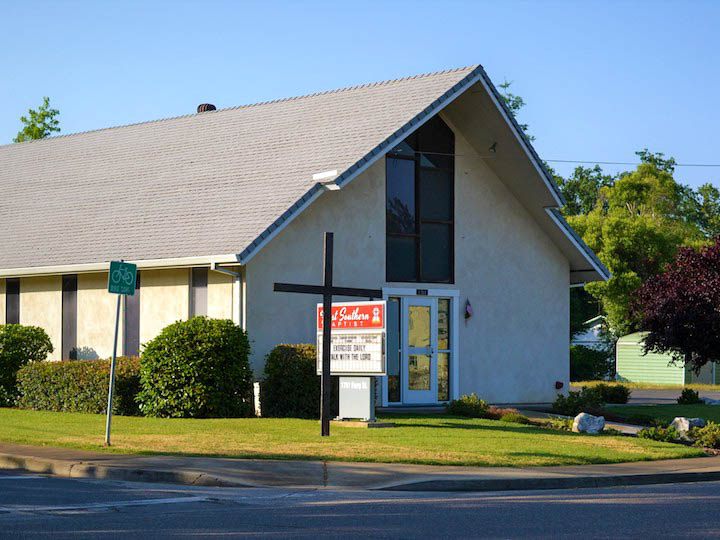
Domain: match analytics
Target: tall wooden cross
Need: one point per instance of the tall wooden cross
(327, 290)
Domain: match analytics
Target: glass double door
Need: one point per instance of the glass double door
(420, 351)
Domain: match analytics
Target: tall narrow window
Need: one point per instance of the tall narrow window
(12, 301)
(420, 206)
(393, 349)
(131, 323)
(69, 317)
(444, 351)
(198, 291)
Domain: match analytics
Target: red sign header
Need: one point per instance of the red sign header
(355, 316)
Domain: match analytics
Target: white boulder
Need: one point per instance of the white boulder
(682, 424)
(587, 423)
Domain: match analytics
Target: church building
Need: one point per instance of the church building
(433, 193)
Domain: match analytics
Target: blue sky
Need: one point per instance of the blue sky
(601, 79)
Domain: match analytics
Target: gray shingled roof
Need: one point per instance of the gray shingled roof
(198, 185)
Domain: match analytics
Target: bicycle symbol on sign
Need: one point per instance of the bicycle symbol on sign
(122, 274)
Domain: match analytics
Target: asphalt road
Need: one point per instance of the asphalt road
(32, 506)
(658, 396)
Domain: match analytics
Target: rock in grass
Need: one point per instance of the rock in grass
(587, 423)
(682, 425)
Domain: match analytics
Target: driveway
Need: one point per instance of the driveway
(660, 397)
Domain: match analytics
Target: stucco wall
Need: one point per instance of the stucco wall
(220, 296)
(96, 317)
(516, 345)
(164, 299)
(356, 215)
(41, 305)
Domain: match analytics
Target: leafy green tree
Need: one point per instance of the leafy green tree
(636, 228)
(581, 190)
(39, 123)
(515, 103)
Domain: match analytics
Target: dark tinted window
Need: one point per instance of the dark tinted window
(402, 258)
(401, 196)
(436, 195)
(436, 248)
(12, 301)
(198, 291)
(420, 206)
(69, 317)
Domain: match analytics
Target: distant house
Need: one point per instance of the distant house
(633, 365)
(434, 193)
(592, 334)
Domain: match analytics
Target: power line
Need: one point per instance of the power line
(628, 163)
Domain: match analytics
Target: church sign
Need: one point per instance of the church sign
(357, 343)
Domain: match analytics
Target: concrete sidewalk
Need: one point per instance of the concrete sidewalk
(338, 475)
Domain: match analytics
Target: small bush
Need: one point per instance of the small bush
(561, 424)
(707, 437)
(496, 413)
(468, 405)
(197, 368)
(515, 417)
(588, 400)
(79, 386)
(19, 345)
(291, 385)
(658, 433)
(588, 364)
(689, 397)
(613, 393)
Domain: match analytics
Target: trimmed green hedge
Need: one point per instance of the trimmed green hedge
(197, 368)
(19, 345)
(291, 386)
(79, 386)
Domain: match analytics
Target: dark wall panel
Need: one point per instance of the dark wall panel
(12, 301)
(69, 317)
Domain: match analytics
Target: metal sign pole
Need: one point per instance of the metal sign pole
(112, 374)
(325, 380)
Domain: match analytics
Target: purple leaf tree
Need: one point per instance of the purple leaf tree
(681, 307)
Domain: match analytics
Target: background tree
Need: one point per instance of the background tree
(581, 190)
(636, 228)
(681, 307)
(39, 123)
(515, 103)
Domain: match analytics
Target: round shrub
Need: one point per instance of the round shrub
(689, 397)
(658, 433)
(613, 393)
(19, 345)
(588, 400)
(79, 386)
(468, 405)
(291, 386)
(197, 369)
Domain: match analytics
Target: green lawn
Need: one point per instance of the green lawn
(440, 440)
(666, 413)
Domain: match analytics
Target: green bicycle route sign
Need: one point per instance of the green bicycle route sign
(122, 277)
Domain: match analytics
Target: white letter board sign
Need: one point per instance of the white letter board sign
(358, 338)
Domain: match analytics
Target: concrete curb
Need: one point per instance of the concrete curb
(69, 468)
(80, 469)
(527, 484)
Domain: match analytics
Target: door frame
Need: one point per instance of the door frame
(454, 295)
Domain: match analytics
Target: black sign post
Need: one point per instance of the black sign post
(327, 290)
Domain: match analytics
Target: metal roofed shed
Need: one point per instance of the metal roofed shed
(633, 365)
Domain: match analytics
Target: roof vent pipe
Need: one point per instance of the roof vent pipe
(205, 107)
